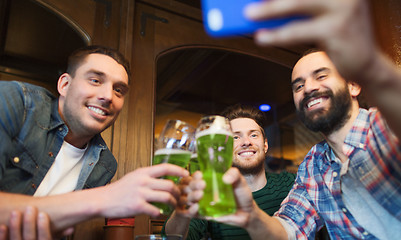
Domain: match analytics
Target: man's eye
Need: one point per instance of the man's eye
(254, 135)
(120, 91)
(297, 87)
(236, 137)
(94, 80)
(321, 77)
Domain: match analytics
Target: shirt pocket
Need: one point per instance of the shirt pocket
(18, 169)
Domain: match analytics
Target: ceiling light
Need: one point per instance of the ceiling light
(264, 107)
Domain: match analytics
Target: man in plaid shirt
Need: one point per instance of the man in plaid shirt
(350, 182)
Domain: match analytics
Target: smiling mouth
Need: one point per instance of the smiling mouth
(97, 110)
(246, 153)
(314, 102)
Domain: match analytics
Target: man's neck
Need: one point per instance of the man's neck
(256, 181)
(78, 142)
(337, 138)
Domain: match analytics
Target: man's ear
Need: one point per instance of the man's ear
(266, 146)
(63, 83)
(354, 89)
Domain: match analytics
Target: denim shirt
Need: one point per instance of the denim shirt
(31, 135)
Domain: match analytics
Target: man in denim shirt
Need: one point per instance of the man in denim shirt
(51, 147)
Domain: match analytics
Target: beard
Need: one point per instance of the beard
(252, 168)
(327, 121)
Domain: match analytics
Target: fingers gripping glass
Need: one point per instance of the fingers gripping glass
(175, 146)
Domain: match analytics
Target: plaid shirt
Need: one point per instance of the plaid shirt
(315, 199)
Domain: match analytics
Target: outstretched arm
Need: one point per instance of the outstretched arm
(343, 29)
(30, 224)
(187, 206)
(127, 197)
(249, 216)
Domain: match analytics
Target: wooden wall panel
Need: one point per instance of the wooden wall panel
(387, 20)
(78, 13)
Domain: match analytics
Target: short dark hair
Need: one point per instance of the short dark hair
(311, 50)
(245, 111)
(78, 56)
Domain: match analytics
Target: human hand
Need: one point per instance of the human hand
(244, 199)
(191, 189)
(31, 224)
(340, 27)
(242, 193)
(133, 194)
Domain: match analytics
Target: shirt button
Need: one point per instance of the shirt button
(16, 159)
(361, 145)
(50, 154)
(365, 233)
(344, 210)
(335, 174)
(33, 185)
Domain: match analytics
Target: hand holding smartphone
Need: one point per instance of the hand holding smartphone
(223, 18)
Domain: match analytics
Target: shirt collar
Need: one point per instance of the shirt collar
(56, 119)
(357, 137)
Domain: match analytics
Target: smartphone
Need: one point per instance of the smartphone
(223, 18)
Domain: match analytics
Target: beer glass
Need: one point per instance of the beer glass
(174, 145)
(214, 140)
(159, 237)
(194, 163)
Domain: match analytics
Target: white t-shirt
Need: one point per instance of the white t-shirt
(62, 176)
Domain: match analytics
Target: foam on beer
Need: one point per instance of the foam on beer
(169, 151)
(211, 131)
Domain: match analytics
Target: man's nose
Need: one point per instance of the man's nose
(311, 85)
(245, 141)
(106, 93)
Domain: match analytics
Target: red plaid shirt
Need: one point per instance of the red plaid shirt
(375, 158)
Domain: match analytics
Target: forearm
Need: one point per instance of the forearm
(262, 226)
(177, 225)
(64, 210)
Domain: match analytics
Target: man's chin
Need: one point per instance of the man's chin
(315, 114)
(96, 129)
(249, 169)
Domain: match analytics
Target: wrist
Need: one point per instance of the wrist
(254, 218)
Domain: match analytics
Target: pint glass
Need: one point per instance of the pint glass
(214, 141)
(194, 163)
(175, 145)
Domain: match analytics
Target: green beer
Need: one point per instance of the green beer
(215, 154)
(173, 156)
(193, 163)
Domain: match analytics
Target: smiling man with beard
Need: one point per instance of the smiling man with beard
(346, 182)
(308, 98)
(268, 189)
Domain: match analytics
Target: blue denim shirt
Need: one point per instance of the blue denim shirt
(31, 135)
